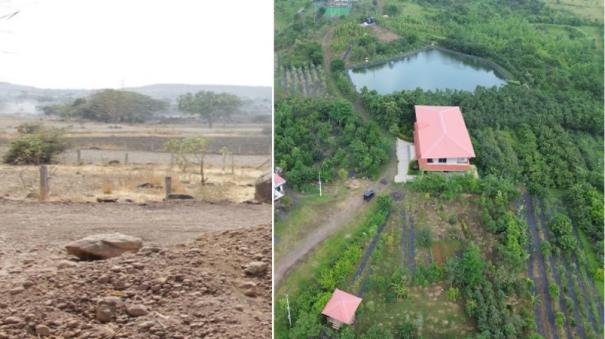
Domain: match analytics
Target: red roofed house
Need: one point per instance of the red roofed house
(341, 308)
(441, 139)
(278, 186)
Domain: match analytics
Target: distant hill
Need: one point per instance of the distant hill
(172, 91)
(159, 91)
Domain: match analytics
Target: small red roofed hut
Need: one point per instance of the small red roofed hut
(341, 308)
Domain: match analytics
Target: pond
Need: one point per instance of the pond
(429, 69)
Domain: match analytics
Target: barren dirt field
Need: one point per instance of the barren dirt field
(191, 279)
(195, 289)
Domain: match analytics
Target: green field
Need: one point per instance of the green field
(588, 9)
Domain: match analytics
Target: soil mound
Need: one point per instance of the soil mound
(200, 289)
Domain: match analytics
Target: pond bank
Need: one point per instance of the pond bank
(432, 67)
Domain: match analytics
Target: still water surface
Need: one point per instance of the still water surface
(430, 69)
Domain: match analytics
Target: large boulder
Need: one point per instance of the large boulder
(103, 246)
(264, 188)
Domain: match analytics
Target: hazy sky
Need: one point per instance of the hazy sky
(107, 43)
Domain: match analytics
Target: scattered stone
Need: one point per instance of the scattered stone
(105, 313)
(66, 264)
(16, 290)
(103, 246)
(146, 324)
(136, 310)
(256, 268)
(104, 279)
(42, 330)
(250, 293)
(176, 292)
(247, 285)
(12, 320)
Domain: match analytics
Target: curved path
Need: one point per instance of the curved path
(353, 205)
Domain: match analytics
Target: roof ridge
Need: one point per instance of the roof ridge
(435, 143)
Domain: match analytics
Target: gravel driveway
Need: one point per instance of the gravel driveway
(405, 154)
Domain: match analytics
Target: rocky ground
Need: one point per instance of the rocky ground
(218, 286)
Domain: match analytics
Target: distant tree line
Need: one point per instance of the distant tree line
(117, 106)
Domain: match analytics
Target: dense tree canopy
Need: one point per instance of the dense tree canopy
(110, 106)
(314, 134)
(209, 105)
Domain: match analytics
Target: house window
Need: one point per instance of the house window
(442, 160)
(429, 160)
(462, 160)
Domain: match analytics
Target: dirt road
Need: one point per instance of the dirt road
(346, 211)
(32, 234)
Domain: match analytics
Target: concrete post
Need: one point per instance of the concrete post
(43, 182)
(167, 186)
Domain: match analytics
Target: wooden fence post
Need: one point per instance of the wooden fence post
(125, 158)
(232, 165)
(43, 182)
(167, 186)
(79, 157)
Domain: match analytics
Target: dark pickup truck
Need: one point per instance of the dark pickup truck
(367, 195)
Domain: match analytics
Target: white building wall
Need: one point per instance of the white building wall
(451, 161)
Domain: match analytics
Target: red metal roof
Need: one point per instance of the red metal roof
(277, 180)
(342, 307)
(441, 133)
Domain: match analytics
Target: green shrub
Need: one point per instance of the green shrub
(337, 65)
(453, 219)
(391, 10)
(407, 330)
(425, 237)
(553, 290)
(286, 201)
(37, 148)
(29, 128)
(453, 294)
(377, 332)
(560, 319)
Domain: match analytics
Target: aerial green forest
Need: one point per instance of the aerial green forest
(539, 145)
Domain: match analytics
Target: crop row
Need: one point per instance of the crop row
(307, 80)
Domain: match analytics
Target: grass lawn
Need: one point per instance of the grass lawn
(426, 307)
